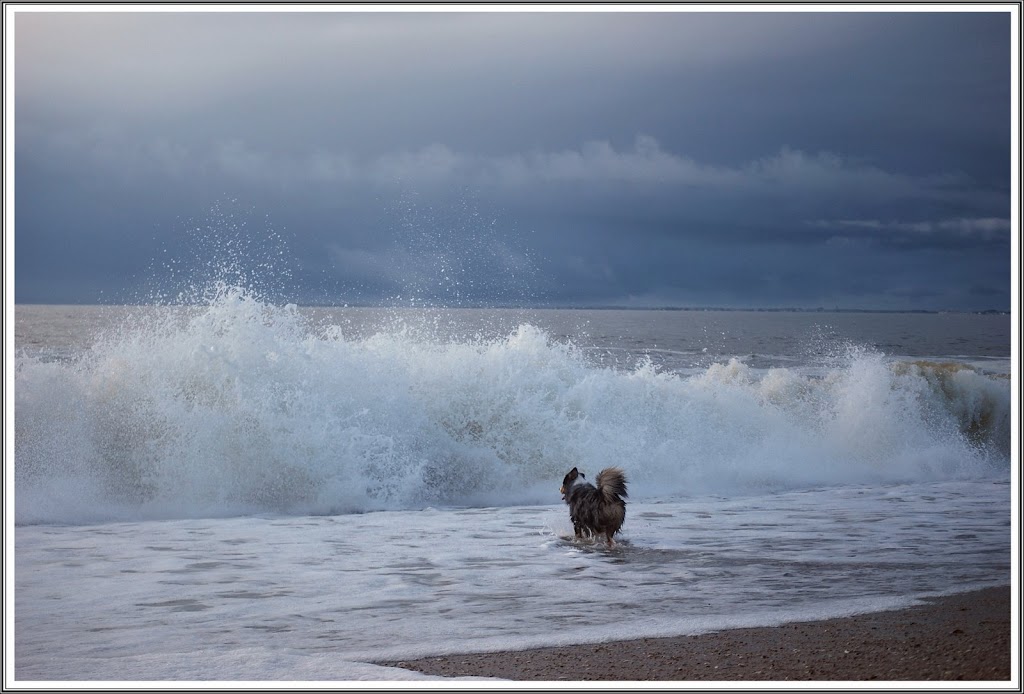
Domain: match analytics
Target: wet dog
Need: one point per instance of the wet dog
(596, 510)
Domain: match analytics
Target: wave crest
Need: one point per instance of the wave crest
(241, 407)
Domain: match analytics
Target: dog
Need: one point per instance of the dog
(596, 510)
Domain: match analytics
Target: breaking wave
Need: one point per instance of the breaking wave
(242, 407)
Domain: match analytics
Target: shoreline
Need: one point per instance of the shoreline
(964, 637)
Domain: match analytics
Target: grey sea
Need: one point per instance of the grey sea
(247, 491)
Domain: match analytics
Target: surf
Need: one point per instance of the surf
(240, 406)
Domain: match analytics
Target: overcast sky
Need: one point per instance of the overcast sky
(842, 159)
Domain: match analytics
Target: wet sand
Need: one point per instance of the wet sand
(960, 637)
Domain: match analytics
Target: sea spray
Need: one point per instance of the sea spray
(240, 406)
(231, 245)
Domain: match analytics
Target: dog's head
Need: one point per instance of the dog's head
(569, 480)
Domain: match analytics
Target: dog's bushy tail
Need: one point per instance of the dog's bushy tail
(612, 483)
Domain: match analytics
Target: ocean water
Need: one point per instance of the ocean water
(250, 491)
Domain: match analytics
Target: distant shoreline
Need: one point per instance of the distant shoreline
(567, 307)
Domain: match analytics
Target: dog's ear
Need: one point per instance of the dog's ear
(573, 474)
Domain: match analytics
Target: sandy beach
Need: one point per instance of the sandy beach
(960, 637)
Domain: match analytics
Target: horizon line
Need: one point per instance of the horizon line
(556, 306)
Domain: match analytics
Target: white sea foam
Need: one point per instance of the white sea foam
(241, 406)
(300, 597)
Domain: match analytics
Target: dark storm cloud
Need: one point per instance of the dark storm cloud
(958, 233)
(854, 159)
